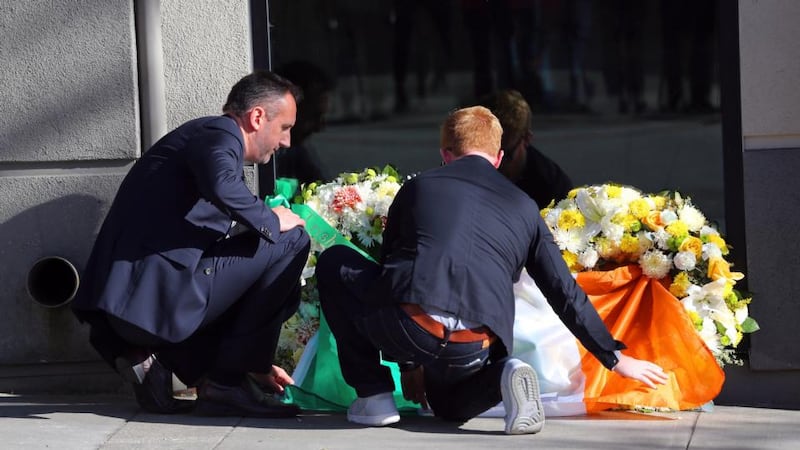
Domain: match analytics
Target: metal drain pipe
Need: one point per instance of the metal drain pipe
(52, 281)
(152, 86)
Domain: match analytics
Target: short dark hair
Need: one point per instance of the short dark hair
(259, 88)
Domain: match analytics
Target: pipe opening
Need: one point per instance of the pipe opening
(52, 281)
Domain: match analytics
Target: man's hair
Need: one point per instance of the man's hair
(260, 88)
(473, 128)
(514, 114)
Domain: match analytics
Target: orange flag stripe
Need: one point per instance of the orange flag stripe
(642, 313)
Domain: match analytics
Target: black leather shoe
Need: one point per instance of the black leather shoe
(154, 394)
(214, 399)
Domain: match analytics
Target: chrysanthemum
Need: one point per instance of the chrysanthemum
(692, 217)
(679, 285)
(655, 264)
(589, 258)
(684, 260)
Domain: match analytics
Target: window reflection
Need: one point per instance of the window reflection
(620, 90)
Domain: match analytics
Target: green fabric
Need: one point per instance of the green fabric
(323, 388)
(284, 190)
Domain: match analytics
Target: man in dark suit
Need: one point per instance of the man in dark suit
(441, 301)
(191, 272)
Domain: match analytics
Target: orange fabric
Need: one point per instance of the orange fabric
(642, 313)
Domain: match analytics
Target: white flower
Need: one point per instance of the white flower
(588, 258)
(692, 217)
(710, 337)
(655, 264)
(741, 314)
(661, 238)
(573, 240)
(551, 218)
(668, 216)
(711, 251)
(611, 230)
(684, 261)
(628, 195)
(707, 230)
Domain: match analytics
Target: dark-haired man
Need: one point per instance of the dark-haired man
(191, 273)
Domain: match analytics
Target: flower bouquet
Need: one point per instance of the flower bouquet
(354, 206)
(601, 227)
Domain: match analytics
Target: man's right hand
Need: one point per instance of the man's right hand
(413, 383)
(287, 218)
(648, 373)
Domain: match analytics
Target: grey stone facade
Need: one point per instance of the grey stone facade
(71, 128)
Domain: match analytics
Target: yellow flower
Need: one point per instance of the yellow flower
(629, 244)
(573, 193)
(718, 241)
(718, 269)
(692, 244)
(660, 201)
(614, 191)
(544, 212)
(697, 321)
(605, 248)
(679, 285)
(639, 208)
(571, 218)
(677, 228)
(572, 260)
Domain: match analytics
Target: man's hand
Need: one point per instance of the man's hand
(644, 371)
(276, 379)
(413, 383)
(287, 218)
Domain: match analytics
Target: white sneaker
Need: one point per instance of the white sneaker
(520, 389)
(376, 410)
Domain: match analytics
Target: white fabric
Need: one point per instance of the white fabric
(544, 342)
(449, 321)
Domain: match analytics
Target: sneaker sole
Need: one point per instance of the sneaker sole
(373, 421)
(521, 386)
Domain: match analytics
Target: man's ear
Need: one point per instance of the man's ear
(446, 155)
(256, 117)
(498, 159)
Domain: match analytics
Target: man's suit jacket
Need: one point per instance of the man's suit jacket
(457, 238)
(174, 204)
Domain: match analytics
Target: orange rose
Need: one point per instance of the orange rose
(653, 221)
(692, 244)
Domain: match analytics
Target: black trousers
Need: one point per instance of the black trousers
(462, 380)
(256, 287)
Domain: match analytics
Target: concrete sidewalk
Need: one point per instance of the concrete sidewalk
(110, 422)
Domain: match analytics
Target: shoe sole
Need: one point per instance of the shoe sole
(520, 390)
(373, 421)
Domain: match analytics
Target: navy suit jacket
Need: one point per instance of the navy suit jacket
(179, 199)
(457, 238)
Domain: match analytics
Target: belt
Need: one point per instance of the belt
(426, 322)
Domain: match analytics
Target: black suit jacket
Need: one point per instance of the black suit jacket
(173, 205)
(457, 238)
(542, 179)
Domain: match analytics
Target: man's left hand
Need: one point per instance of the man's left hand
(413, 383)
(276, 379)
